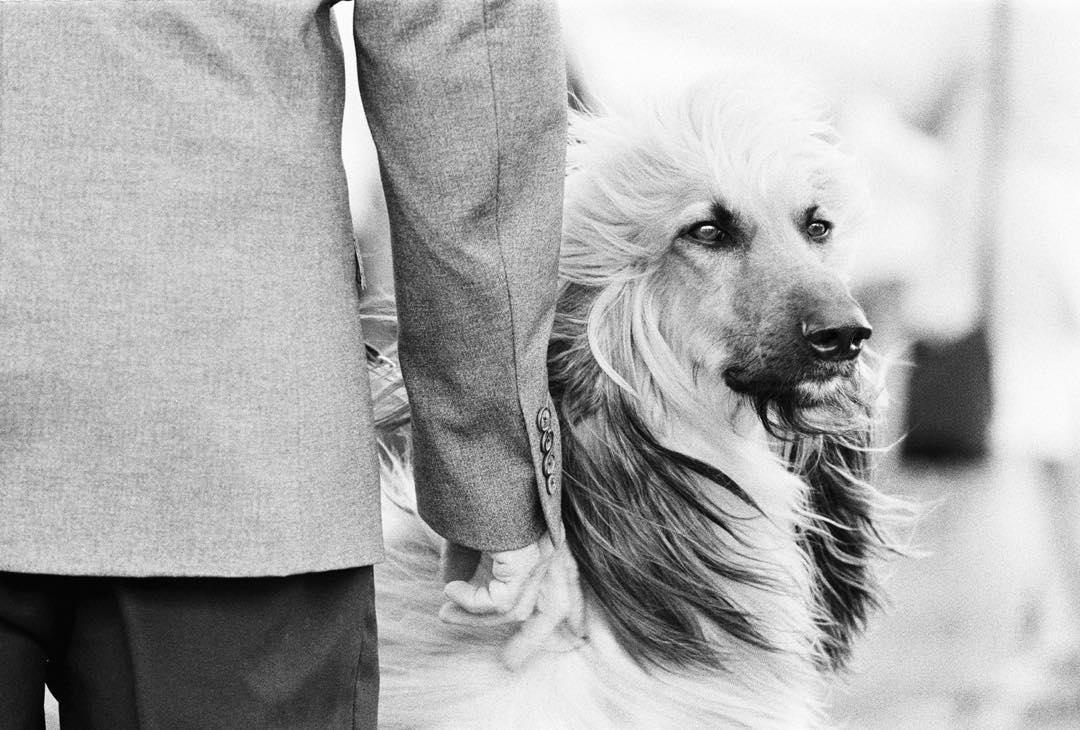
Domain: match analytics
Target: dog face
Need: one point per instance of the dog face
(775, 317)
(729, 214)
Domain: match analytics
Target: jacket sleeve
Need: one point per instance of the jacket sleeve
(466, 103)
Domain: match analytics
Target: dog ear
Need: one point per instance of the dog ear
(842, 539)
(656, 551)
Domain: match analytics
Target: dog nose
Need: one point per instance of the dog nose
(838, 334)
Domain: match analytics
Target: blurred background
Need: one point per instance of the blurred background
(966, 117)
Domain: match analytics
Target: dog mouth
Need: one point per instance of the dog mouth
(811, 403)
(804, 390)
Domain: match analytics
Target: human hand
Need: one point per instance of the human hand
(536, 584)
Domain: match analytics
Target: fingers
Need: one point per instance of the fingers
(504, 593)
(529, 595)
(498, 587)
(493, 597)
(511, 565)
(470, 596)
(515, 597)
(538, 587)
(452, 613)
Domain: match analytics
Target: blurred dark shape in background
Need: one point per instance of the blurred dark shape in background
(950, 392)
(949, 399)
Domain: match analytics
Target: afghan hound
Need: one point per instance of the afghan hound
(716, 422)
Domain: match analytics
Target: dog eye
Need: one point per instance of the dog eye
(818, 230)
(708, 234)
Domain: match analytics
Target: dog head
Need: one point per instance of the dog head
(704, 249)
(718, 227)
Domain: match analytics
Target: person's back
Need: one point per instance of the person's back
(183, 393)
(182, 359)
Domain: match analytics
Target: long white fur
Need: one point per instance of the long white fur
(437, 675)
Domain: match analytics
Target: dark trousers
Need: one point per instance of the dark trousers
(291, 652)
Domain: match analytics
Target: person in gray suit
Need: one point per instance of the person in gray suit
(189, 502)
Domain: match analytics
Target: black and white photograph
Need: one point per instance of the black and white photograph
(539, 364)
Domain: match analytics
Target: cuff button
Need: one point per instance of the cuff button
(552, 484)
(549, 465)
(543, 418)
(547, 441)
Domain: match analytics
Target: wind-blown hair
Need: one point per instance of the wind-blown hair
(716, 457)
(675, 503)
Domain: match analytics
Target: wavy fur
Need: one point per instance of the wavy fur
(715, 473)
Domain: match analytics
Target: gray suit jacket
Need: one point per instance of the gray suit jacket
(182, 377)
